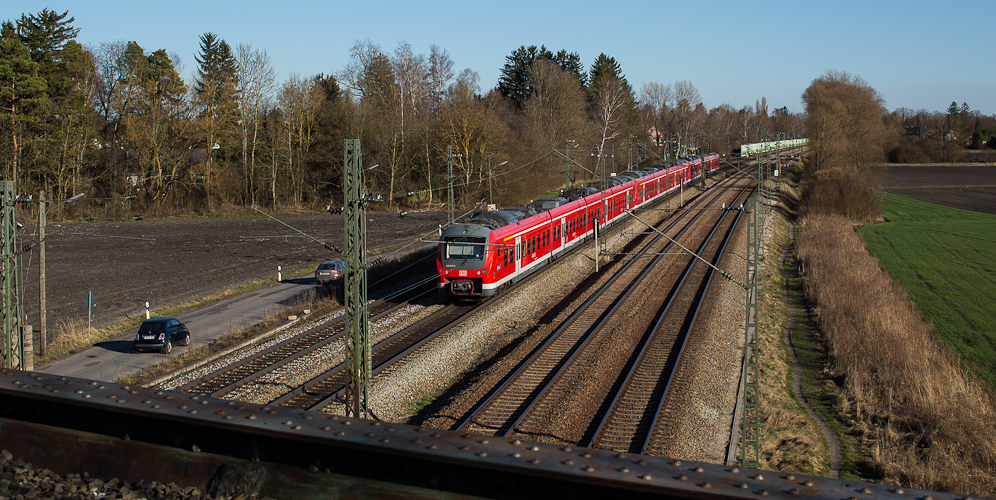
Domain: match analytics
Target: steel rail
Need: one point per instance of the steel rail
(560, 335)
(232, 376)
(566, 365)
(318, 391)
(618, 412)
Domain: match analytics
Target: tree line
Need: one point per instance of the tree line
(851, 134)
(121, 119)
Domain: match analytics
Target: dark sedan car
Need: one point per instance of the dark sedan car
(161, 334)
(330, 273)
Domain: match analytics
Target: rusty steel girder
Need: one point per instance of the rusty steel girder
(224, 447)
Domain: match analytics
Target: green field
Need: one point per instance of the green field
(945, 258)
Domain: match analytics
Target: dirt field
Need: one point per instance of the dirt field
(967, 188)
(168, 262)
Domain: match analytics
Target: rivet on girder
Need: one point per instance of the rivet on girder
(759, 477)
(482, 454)
(706, 485)
(568, 462)
(809, 484)
(682, 477)
(484, 441)
(371, 434)
(251, 417)
(463, 448)
(534, 448)
(794, 491)
(790, 477)
(533, 461)
(432, 447)
(624, 470)
(867, 491)
(588, 469)
(416, 441)
(646, 477)
(516, 455)
(699, 469)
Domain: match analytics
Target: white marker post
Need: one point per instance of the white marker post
(279, 275)
(146, 309)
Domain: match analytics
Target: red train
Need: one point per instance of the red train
(495, 249)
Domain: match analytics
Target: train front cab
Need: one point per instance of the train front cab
(462, 261)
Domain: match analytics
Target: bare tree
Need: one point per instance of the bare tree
(255, 84)
(608, 111)
(844, 121)
(686, 100)
(440, 74)
(655, 97)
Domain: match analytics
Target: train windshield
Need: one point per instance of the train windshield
(464, 248)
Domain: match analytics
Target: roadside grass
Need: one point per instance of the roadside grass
(319, 305)
(789, 438)
(71, 336)
(944, 259)
(925, 422)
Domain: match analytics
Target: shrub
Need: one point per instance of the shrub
(935, 427)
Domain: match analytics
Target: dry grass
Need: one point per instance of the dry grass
(234, 335)
(790, 440)
(933, 427)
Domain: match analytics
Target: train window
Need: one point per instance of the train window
(464, 247)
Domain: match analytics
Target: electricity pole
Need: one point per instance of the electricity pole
(13, 348)
(357, 320)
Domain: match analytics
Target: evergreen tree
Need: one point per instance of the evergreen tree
(46, 35)
(21, 92)
(514, 81)
(214, 84)
(215, 91)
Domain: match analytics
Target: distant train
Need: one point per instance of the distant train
(495, 249)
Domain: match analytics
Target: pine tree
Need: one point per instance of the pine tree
(215, 91)
(21, 92)
(514, 81)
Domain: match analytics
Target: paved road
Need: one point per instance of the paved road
(107, 361)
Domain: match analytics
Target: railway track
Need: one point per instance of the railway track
(635, 411)
(530, 396)
(327, 389)
(237, 375)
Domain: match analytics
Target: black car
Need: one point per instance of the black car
(161, 334)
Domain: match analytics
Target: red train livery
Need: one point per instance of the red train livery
(496, 249)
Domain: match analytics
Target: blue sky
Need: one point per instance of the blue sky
(915, 53)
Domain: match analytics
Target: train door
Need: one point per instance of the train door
(518, 253)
